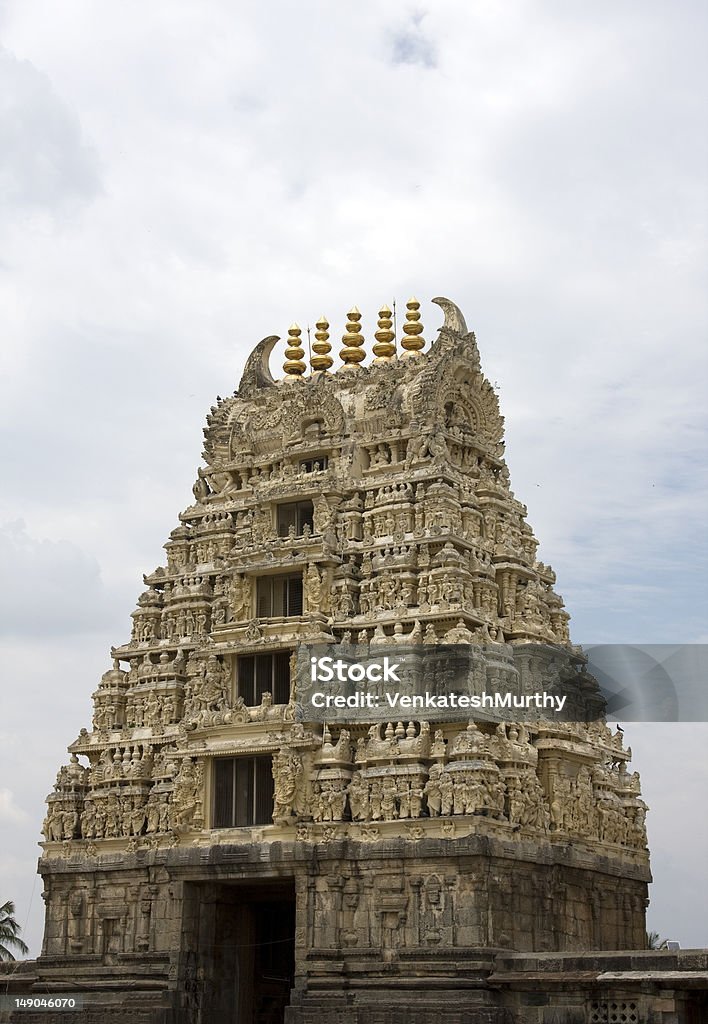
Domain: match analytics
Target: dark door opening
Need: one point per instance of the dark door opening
(273, 964)
(247, 940)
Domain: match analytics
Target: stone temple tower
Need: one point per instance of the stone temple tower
(211, 856)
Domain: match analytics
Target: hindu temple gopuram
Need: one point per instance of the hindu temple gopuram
(211, 855)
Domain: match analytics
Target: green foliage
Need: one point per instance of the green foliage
(9, 932)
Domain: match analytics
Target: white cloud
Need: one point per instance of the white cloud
(10, 813)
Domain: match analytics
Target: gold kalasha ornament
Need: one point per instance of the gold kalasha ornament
(384, 349)
(413, 341)
(353, 351)
(322, 359)
(294, 364)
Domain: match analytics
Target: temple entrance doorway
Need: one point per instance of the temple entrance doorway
(249, 964)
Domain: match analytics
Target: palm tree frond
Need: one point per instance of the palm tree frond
(9, 933)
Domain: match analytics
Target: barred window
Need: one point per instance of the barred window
(243, 791)
(313, 465)
(258, 673)
(296, 514)
(279, 596)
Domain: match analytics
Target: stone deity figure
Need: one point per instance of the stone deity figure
(240, 597)
(70, 821)
(164, 817)
(313, 588)
(356, 803)
(339, 802)
(388, 799)
(185, 796)
(88, 820)
(153, 813)
(433, 791)
(287, 773)
(404, 800)
(200, 488)
(375, 800)
(438, 746)
(416, 800)
(52, 827)
(322, 514)
(137, 817)
(447, 794)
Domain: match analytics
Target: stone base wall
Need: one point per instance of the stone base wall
(486, 988)
(387, 932)
(394, 895)
(639, 987)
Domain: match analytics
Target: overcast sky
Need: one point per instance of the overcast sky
(179, 180)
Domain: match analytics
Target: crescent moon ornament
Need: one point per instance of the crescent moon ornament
(454, 320)
(256, 372)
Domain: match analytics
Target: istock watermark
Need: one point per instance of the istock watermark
(521, 682)
(372, 683)
(325, 669)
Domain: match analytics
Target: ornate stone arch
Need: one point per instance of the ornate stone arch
(309, 407)
(250, 423)
(453, 392)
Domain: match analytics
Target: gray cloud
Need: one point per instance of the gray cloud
(10, 813)
(410, 44)
(49, 587)
(45, 163)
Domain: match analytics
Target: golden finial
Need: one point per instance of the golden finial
(322, 359)
(384, 349)
(353, 351)
(413, 342)
(294, 364)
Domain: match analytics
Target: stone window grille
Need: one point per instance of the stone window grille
(279, 596)
(613, 1012)
(243, 791)
(313, 465)
(296, 514)
(261, 673)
